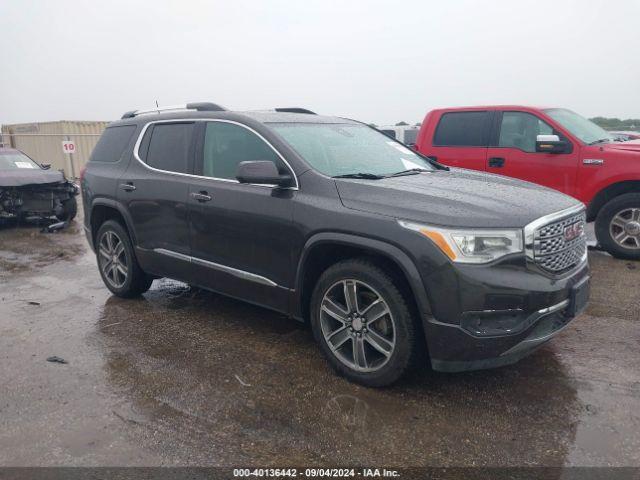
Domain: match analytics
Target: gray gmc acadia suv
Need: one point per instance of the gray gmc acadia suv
(394, 259)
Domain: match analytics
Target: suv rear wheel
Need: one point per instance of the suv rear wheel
(363, 323)
(117, 263)
(618, 226)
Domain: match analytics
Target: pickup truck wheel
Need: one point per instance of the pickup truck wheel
(363, 323)
(69, 210)
(117, 263)
(618, 226)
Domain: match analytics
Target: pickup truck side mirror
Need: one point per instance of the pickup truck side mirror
(550, 144)
(262, 172)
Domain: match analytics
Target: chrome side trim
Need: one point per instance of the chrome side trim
(228, 180)
(529, 230)
(554, 308)
(252, 277)
(235, 272)
(171, 253)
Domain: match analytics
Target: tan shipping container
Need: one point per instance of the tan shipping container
(42, 141)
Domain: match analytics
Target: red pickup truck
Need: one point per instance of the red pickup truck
(554, 147)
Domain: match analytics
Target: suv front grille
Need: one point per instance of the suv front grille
(555, 249)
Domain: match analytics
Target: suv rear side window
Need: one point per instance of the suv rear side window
(112, 144)
(462, 129)
(169, 147)
(227, 144)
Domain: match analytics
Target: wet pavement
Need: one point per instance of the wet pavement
(186, 377)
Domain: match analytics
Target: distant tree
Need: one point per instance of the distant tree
(616, 123)
(401, 124)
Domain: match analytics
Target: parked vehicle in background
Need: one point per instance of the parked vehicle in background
(625, 136)
(32, 192)
(329, 221)
(554, 147)
(406, 134)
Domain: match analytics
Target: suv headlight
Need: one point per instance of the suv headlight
(475, 245)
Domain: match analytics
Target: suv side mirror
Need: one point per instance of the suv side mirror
(262, 172)
(550, 144)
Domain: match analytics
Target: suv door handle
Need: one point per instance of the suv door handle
(497, 162)
(128, 187)
(201, 196)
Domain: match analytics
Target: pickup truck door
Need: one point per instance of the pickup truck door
(460, 139)
(514, 152)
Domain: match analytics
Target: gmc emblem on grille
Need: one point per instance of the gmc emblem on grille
(573, 231)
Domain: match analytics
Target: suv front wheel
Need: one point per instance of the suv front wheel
(363, 323)
(117, 263)
(618, 226)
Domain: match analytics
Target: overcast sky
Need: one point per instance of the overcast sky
(376, 61)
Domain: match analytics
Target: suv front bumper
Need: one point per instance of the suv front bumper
(487, 338)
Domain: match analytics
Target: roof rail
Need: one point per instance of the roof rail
(198, 106)
(294, 110)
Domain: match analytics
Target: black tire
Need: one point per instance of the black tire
(135, 282)
(407, 330)
(604, 220)
(69, 210)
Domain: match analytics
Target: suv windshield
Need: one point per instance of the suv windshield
(15, 160)
(584, 129)
(347, 149)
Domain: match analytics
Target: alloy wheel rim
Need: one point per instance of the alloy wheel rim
(625, 228)
(113, 259)
(357, 325)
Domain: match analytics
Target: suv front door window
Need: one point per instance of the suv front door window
(227, 144)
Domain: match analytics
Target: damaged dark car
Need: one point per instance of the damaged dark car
(30, 192)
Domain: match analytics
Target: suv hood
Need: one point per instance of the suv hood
(29, 176)
(455, 198)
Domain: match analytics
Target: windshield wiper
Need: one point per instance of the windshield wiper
(602, 140)
(367, 176)
(410, 171)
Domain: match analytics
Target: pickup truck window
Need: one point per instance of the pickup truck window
(462, 129)
(343, 149)
(520, 130)
(584, 129)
